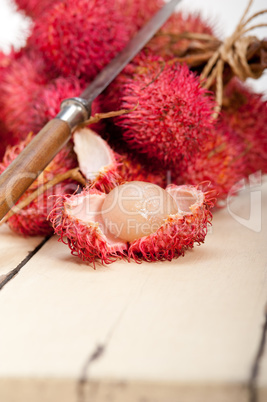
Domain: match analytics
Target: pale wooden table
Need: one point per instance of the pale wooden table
(187, 330)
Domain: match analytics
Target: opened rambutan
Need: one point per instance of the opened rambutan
(34, 8)
(136, 220)
(173, 114)
(80, 37)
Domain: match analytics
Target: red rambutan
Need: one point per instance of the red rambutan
(221, 163)
(245, 113)
(136, 220)
(137, 12)
(173, 117)
(34, 8)
(30, 98)
(80, 37)
(168, 44)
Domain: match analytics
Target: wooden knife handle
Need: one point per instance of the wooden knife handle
(21, 173)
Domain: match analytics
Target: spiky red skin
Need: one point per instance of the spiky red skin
(80, 37)
(166, 42)
(173, 115)
(221, 163)
(171, 240)
(137, 12)
(34, 8)
(32, 220)
(6, 136)
(84, 240)
(174, 237)
(239, 147)
(246, 114)
(30, 98)
(132, 168)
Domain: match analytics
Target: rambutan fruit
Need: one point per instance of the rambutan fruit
(221, 164)
(245, 112)
(80, 37)
(34, 8)
(135, 168)
(173, 113)
(30, 98)
(135, 220)
(168, 42)
(180, 231)
(137, 12)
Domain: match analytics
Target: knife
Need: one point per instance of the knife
(21, 173)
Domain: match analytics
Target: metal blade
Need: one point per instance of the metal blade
(109, 72)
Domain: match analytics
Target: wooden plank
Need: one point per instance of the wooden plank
(194, 320)
(13, 249)
(49, 390)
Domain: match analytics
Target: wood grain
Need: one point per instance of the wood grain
(194, 323)
(31, 162)
(14, 248)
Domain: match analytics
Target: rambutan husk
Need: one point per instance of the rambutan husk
(34, 8)
(77, 220)
(30, 97)
(80, 37)
(245, 112)
(179, 232)
(174, 114)
(171, 40)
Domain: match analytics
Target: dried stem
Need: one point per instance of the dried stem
(232, 51)
(99, 116)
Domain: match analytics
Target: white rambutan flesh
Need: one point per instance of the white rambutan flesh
(136, 209)
(182, 222)
(93, 153)
(96, 159)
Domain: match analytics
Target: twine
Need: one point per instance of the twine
(233, 52)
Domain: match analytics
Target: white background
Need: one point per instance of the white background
(225, 14)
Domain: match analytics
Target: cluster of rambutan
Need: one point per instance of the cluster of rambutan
(169, 135)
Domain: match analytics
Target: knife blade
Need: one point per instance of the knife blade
(22, 172)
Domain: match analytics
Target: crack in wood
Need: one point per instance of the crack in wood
(4, 279)
(97, 353)
(255, 370)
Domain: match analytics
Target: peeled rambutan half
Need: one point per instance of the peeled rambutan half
(80, 37)
(173, 114)
(34, 8)
(180, 231)
(136, 220)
